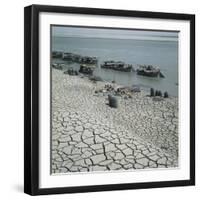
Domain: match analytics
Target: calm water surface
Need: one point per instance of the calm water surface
(163, 54)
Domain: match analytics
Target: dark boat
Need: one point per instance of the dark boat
(57, 54)
(85, 69)
(71, 57)
(88, 60)
(148, 70)
(118, 66)
(78, 58)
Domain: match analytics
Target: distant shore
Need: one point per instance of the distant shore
(88, 135)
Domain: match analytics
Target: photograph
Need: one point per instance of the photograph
(114, 96)
(109, 99)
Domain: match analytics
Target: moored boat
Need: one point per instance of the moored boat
(148, 70)
(71, 57)
(57, 54)
(78, 58)
(117, 65)
(88, 60)
(86, 69)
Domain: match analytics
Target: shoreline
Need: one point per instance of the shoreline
(88, 135)
(127, 78)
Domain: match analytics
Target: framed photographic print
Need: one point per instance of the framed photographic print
(109, 99)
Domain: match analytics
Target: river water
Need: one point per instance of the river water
(163, 54)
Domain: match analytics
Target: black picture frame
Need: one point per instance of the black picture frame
(31, 98)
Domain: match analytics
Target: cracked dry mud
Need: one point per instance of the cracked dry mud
(88, 135)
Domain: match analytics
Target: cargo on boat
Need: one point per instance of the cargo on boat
(117, 65)
(149, 70)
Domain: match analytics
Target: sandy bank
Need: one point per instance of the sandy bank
(88, 135)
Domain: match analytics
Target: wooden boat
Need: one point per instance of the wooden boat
(85, 69)
(88, 60)
(79, 59)
(118, 66)
(57, 54)
(148, 70)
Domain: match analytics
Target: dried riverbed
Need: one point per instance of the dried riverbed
(88, 135)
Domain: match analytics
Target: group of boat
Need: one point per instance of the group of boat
(144, 70)
(87, 61)
(74, 57)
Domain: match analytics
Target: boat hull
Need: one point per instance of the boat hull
(149, 74)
